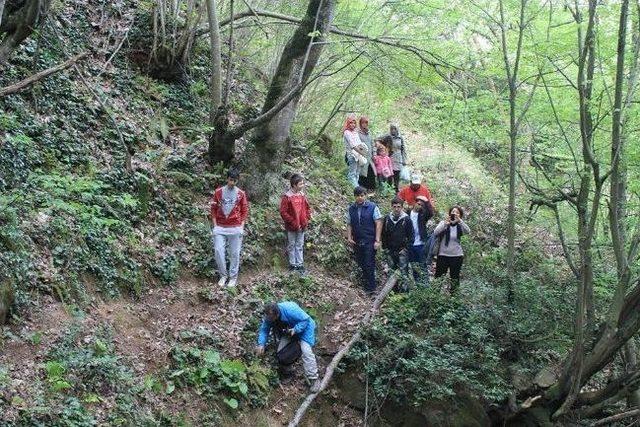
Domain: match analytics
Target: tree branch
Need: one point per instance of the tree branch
(391, 282)
(436, 62)
(240, 129)
(618, 417)
(41, 75)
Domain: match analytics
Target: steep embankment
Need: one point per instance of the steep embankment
(115, 318)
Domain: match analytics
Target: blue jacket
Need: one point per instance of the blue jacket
(294, 317)
(363, 226)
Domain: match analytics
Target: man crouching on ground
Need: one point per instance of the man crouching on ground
(289, 322)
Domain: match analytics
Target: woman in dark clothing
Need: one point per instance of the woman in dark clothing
(367, 178)
(398, 154)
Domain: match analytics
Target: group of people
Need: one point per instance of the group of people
(372, 162)
(406, 234)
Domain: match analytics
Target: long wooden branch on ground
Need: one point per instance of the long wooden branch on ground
(391, 282)
(17, 87)
(617, 417)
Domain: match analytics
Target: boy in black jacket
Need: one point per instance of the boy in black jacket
(397, 236)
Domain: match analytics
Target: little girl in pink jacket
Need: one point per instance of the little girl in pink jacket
(384, 166)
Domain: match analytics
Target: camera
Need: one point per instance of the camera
(452, 217)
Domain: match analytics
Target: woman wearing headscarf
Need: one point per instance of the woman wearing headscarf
(367, 172)
(351, 141)
(398, 154)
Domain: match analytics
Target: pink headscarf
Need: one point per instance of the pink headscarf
(350, 117)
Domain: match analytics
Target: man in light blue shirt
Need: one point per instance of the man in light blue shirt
(364, 233)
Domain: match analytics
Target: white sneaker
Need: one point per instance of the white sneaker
(222, 281)
(233, 281)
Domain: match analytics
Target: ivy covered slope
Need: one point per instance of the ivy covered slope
(109, 273)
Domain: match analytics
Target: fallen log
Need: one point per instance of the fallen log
(328, 374)
(41, 75)
(617, 417)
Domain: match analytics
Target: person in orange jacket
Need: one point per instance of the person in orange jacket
(410, 192)
(296, 214)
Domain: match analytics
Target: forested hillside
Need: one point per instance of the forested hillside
(119, 120)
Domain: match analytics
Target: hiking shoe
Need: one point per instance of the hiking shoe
(301, 271)
(222, 281)
(315, 386)
(232, 282)
(292, 268)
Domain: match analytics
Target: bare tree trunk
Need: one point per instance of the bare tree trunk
(630, 352)
(512, 79)
(571, 379)
(6, 299)
(618, 182)
(2, 2)
(216, 61)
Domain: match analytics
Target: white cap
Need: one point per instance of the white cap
(416, 178)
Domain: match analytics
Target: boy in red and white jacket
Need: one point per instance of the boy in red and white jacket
(229, 211)
(296, 213)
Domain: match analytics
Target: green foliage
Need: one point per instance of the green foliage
(215, 377)
(430, 346)
(56, 376)
(88, 367)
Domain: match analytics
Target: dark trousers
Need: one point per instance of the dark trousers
(454, 265)
(366, 259)
(398, 259)
(396, 180)
(418, 264)
(369, 181)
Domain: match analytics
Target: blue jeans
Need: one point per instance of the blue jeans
(366, 259)
(418, 263)
(295, 247)
(352, 170)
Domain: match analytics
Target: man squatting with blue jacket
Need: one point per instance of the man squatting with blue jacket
(288, 321)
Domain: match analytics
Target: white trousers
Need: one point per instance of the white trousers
(309, 363)
(220, 243)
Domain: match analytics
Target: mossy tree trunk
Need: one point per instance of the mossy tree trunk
(19, 19)
(6, 299)
(299, 58)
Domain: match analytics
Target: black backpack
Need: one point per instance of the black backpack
(291, 352)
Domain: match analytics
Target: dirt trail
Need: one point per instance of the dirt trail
(144, 330)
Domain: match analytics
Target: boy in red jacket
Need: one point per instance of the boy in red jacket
(229, 211)
(295, 211)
